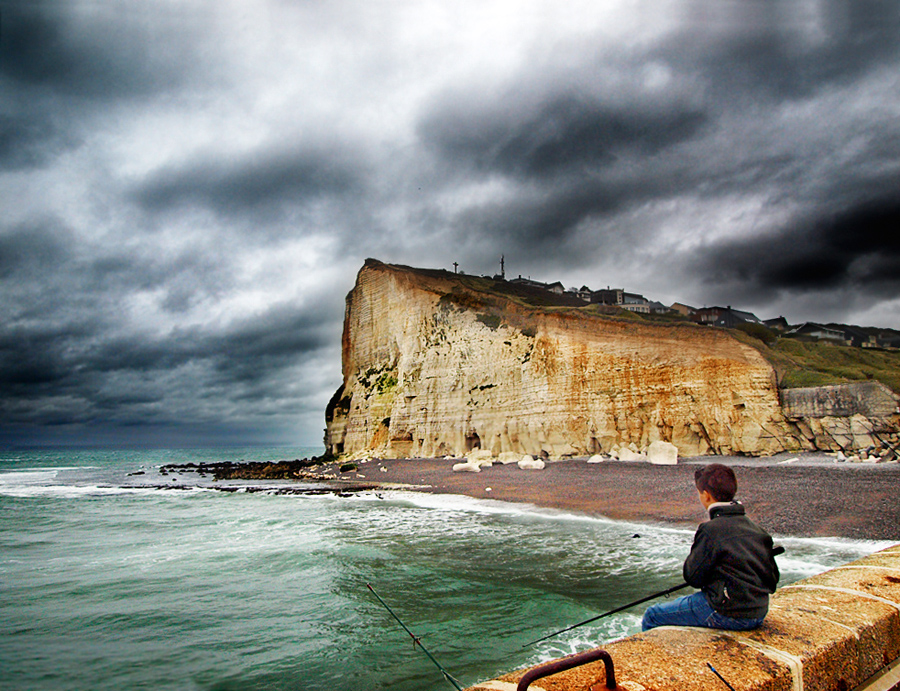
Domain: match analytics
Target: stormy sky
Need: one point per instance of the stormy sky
(189, 187)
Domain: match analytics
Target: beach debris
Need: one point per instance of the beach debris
(789, 460)
(596, 458)
(529, 463)
(382, 469)
(488, 489)
(662, 453)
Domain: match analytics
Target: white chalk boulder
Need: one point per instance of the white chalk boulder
(482, 457)
(626, 454)
(466, 467)
(529, 463)
(662, 453)
(507, 457)
(597, 458)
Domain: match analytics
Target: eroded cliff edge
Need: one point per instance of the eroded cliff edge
(439, 364)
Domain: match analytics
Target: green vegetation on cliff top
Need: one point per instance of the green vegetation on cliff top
(800, 363)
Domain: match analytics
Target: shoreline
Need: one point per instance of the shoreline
(790, 495)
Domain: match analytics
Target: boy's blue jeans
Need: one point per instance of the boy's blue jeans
(693, 610)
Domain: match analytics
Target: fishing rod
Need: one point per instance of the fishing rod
(416, 640)
(667, 591)
(716, 672)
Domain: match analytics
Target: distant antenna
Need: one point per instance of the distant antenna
(502, 267)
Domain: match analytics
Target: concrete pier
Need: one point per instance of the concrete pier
(838, 631)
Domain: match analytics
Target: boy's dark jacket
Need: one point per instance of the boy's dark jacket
(732, 562)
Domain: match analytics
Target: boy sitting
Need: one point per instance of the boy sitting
(732, 561)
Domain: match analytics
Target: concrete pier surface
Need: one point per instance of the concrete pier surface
(837, 631)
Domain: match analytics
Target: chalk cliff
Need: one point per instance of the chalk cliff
(436, 364)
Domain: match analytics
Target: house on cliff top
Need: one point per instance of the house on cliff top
(633, 302)
(818, 332)
(724, 316)
(556, 287)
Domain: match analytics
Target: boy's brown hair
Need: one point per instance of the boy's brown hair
(718, 480)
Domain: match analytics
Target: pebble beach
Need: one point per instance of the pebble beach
(807, 495)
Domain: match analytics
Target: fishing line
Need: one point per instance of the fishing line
(417, 641)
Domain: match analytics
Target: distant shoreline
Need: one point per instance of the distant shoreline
(812, 496)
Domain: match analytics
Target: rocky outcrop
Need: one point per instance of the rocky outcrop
(439, 364)
(846, 417)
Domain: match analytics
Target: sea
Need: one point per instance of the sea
(116, 576)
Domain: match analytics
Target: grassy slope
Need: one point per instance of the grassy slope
(800, 363)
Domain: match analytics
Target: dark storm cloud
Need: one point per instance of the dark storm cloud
(86, 280)
(30, 249)
(722, 123)
(563, 150)
(93, 49)
(61, 60)
(559, 134)
(250, 351)
(857, 249)
(245, 361)
(248, 182)
(30, 140)
(782, 48)
(549, 215)
(70, 356)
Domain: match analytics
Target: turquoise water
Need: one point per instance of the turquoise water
(117, 581)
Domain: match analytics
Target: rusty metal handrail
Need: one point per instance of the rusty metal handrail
(570, 662)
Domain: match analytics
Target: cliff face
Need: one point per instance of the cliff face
(438, 364)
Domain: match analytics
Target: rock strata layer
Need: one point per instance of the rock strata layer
(437, 364)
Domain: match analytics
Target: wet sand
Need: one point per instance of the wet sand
(812, 496)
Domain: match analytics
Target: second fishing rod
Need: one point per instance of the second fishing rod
(622, 608)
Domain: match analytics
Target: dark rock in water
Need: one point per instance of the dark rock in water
(137, 472)
(248, 470)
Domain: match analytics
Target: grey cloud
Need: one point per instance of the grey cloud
(106, 49)
(783, 48)
(36, 359)
(33, 248)
(64, 63)
(560, 134)
(858, 249)
(68, 355)
(246, 362)
(258, 181)
(30, 140)
(572, 156)
(53, 274)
